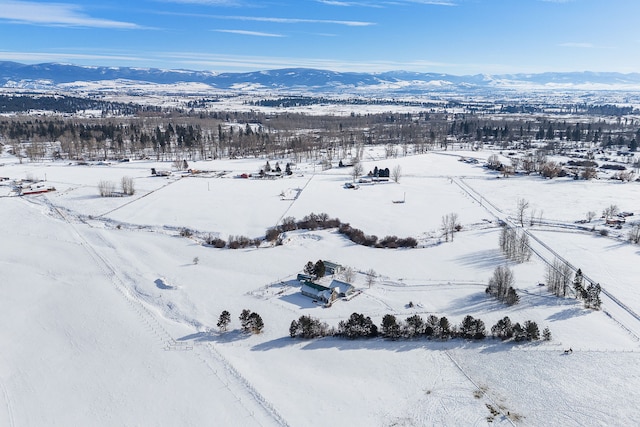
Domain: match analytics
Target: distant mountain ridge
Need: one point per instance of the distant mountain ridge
(13, 73)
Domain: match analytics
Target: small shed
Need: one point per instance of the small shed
(301, 277)
(331, 268)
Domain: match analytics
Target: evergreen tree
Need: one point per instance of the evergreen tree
(546, 334)
(358, 326)
(578, 285)
(471, 328)
(319, 269)
(512, 297)
(390, 327)
(309, 268)
(519, 334)
(593, 296)
(531, 330)
(503, 329)
(294, 329)
(245, 323)
(432, 326)
(255, 323)
(444, 331)
(414, 325)
(309, 327)
(549, 134)
(224, 320)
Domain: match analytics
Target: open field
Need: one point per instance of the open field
(109, 319)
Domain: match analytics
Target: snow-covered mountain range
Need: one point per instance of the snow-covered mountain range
(14, 74)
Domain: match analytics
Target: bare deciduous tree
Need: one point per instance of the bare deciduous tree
(634, 234)
(347, 274)
(523, 205)
(356, 172)
(558, 278)
(396, 173)
(589, 173)
(611, 210)
(501, 284)
(106, 188)
(515, 245)
(127, 185)
(449, 225)
(371, 277)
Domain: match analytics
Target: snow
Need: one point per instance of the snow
(109, 321)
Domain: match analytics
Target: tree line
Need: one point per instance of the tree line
(176, 134)
(413, 327)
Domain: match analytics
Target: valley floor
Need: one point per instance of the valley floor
(108, 320)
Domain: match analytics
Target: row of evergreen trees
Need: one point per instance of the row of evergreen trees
(433, 327)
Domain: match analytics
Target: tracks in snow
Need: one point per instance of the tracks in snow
(216, 364)
(7, 401)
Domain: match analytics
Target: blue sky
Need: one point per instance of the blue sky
(447, 36)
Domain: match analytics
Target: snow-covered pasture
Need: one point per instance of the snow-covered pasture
(113, 325)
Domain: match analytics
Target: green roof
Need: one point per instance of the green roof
(315, 286)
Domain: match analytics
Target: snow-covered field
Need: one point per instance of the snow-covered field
(108, 320)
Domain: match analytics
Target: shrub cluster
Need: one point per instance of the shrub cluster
(216, 242)
(308, 327)
(323, 221)
(505, 330)
(240, 242)
(357, 326)
(358, 237)
(310, 222)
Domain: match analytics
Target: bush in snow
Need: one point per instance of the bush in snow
(358, 326)
(308, 327)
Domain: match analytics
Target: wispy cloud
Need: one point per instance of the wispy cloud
(298, 20)
(65, 57)
(204, 2)
(577, 45)
(250, 33)
(55, 14)
(434, 2)
(580, 45)
(349, 3)
(386, 3)
(244, 63)
(272, 19)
